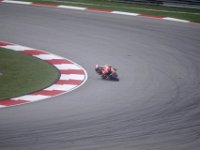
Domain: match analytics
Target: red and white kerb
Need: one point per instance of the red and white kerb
(71, 77)
(95, 10)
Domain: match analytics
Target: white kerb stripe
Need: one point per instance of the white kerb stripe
(177, 20)
(48, 56)
(66, 66)
(16, 2)
(31, 98)
(64, 87)
(124, 13)
(72, 77)
(2, 106)
(72, 7)
(17, 47)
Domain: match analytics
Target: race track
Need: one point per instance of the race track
(154, 106)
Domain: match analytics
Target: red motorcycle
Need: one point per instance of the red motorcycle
(107, 72)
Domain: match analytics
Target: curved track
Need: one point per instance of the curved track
(156, 104)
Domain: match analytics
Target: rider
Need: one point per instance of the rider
(104, 71)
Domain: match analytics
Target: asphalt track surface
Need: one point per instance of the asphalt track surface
(155, 105)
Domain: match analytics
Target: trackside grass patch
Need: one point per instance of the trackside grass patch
(21, 74)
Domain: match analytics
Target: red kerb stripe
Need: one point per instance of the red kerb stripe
(72, 72)
(150, 16)
(196, 22)
(4, 44)
(9, 102)
(44, 4)
(74, 82)
(98, 10)
(59, 61)
(34, 52)
(48, 92)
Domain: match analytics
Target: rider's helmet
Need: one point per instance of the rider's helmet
(98, 69)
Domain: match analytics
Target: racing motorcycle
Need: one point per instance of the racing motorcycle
(110, 74)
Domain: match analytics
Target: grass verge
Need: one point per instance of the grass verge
(21, 74)
(180, 13)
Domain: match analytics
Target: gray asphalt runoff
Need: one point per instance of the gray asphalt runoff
(154, 106)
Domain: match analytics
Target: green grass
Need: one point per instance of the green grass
(21, 74)
(180, 13)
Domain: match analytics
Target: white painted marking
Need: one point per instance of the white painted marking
(177, 20)
(17, 47)
(72, 77)
(2, 106)
(17, 2)
(66, 66)
(31, 98)
(64, 87)
(48, 56)
(124, 13)
(71, 7)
